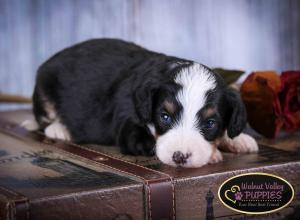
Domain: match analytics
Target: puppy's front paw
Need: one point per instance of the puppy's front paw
(216, 157)
(244, 143)
(57, 130)
(137, 140)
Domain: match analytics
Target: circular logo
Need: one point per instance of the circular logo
(256, 193)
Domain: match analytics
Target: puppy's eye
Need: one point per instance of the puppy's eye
(165, 118)
(209, 124)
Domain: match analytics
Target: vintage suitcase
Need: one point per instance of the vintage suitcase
(42, 178)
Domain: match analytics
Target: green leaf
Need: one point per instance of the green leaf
(230, 76)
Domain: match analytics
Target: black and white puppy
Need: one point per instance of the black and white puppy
(111, 92)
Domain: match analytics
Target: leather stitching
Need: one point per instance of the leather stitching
(10, 191)
(24, 199)
(149, 199)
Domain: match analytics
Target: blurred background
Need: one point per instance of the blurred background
(244, 34)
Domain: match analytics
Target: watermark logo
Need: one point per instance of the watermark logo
(256, 193)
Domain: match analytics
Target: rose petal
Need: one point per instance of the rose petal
(260, 95)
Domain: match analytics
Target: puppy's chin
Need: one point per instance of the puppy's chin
(195, 150)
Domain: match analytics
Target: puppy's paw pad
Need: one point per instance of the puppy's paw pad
(216, 157)
(57, 131)
(245, 144)
(30, 125)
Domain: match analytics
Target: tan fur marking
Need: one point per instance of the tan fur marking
(170, 107)
(209, 112)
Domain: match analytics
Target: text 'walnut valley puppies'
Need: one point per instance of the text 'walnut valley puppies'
(112, 92)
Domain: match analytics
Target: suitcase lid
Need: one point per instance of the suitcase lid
(44, 169)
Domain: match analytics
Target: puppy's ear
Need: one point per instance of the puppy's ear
(237, 116)
(143, 100)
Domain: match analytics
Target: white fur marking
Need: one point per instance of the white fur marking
(30, 125)
(49, 108)
(187, 142)
(152, 129)
(242, 143)
(185, 137)
(57, 130)
(195, 82)
(216, 157)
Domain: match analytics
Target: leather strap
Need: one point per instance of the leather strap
(13, 205)
(159, 187)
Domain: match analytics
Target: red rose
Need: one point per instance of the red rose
(290, 99)
(272, 101)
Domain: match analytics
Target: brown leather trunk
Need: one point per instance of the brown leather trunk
(50, 179)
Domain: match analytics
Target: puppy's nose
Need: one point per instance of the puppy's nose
(179, 158)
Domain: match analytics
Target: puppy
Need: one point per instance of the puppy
(111, 92)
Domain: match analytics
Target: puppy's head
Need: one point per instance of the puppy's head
(189, 113)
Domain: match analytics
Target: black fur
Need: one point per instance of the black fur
(230, 111)
(106, 91)
(236, 113)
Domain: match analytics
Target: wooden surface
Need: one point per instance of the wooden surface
(9, 98)
(244, 34)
